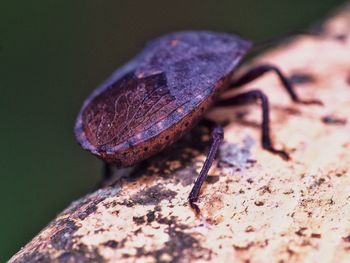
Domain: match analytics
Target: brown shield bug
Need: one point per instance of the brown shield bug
(165, 90)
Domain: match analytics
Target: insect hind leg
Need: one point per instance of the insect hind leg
(251, 96)
(260, 70)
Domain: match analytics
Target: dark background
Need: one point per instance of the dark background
(53, 53)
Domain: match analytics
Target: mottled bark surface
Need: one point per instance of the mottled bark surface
(255, 206)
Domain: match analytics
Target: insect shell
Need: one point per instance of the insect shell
(156, 97)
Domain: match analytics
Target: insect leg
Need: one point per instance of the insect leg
(107, 171)
(217, 135)
(250, 96)
(208, 123)
(260, 70)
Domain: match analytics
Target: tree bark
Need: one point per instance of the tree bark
(255, 206)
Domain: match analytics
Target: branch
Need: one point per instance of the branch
(255, 206)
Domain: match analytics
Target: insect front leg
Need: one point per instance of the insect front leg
(260, 70)
(107, 171)
(106, 175)
(217, 135)
(251, 96)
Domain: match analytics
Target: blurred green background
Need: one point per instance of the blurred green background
(53, 53)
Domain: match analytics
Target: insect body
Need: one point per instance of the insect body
(160, 94)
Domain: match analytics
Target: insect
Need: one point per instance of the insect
(160, 94)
